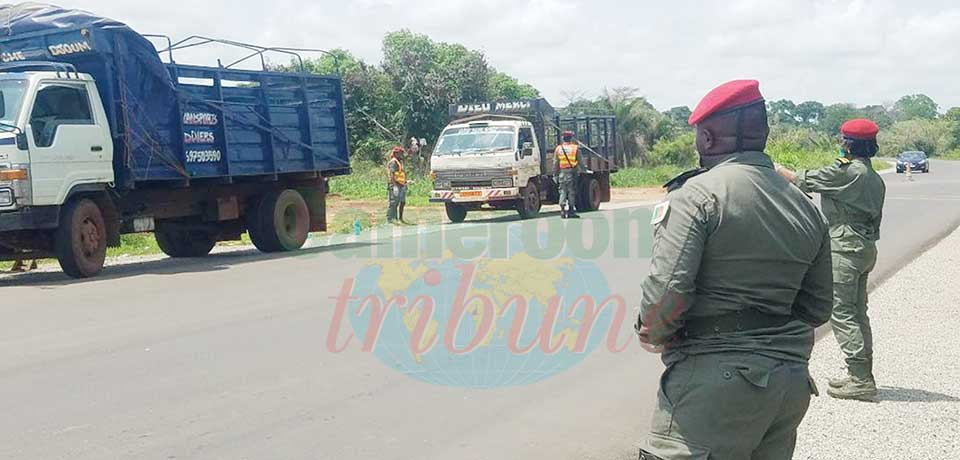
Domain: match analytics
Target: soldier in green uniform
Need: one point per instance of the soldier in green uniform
(853, 195)
(740, 278)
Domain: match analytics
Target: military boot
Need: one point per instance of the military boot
(839, 382)
(856, 389)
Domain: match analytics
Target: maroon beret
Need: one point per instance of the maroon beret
(727, 96)
(861, 128)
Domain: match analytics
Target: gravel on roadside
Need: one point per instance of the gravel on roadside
(915, 317)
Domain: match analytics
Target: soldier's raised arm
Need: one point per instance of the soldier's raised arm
(681, 228)
(829, 180)
(814, 302)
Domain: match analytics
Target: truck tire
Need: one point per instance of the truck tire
(590, 195)
(80, 243)
(178, 243)
(456, 212)
(280, 222)
(529, 204)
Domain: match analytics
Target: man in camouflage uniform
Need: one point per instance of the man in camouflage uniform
(740, 278)
(853, 195)
(568, 169)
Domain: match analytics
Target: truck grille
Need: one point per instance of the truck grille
(472, 175)
(456, 184)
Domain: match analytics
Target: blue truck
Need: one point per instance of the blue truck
(100, 137)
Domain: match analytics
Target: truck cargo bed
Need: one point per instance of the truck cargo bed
(172, 124)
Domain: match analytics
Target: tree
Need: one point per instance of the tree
(879, 115)
(931, 136)
(502, 87)
(783, 111)
(679, 115)
(916, 106)
(809, 112)
(836, 115)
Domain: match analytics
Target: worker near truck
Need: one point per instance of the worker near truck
(852, 194)
(740, 277)
(568, 165)
(396, 186)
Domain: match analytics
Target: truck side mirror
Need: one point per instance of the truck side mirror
(527, 149)
(22, 141)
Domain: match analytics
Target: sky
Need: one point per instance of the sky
(671, 51)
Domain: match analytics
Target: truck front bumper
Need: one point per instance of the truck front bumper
(34, 218)
(483, 195)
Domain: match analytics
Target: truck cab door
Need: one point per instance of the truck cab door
(68, 140)
(530, 159)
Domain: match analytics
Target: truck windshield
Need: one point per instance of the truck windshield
(11, 96)
(458, 141)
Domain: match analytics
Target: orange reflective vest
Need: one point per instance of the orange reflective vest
(567, 153)
(399, 177)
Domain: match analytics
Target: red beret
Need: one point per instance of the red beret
(861, 128)
(727, 96)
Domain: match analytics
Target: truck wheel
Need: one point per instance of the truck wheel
(179, 243)
(80, 242)
(589, 197)
(456, 212)
(280, 222)
(529, 204)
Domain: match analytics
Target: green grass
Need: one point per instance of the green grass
(950, 155)
(635, 176)
(136, 244)
(369, 182)
(797, 158)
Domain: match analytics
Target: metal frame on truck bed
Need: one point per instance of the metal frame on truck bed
(107, 139)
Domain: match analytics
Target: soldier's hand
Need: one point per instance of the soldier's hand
(643, 335)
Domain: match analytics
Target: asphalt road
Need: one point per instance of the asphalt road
(227, 358)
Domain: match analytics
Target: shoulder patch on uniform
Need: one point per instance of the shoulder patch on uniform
(678, 181)
(660, 212)
(843, 161)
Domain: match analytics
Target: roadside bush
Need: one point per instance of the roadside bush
(934, 137)
(369, 182)
(635, 176)
(679, 151)
(951, 155)
(798, 148)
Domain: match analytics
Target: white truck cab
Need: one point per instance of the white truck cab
(54, 136)
(485, 161)
(500, 156)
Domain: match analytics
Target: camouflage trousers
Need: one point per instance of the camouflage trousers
(729, 406)
(851, 325)
(395, 196)
(568, 189)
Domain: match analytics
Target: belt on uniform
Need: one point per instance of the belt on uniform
(741, 321)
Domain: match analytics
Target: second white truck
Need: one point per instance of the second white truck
(500, 156)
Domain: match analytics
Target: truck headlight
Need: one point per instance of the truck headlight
(6, 197)
(502, 182)
(442, 184)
